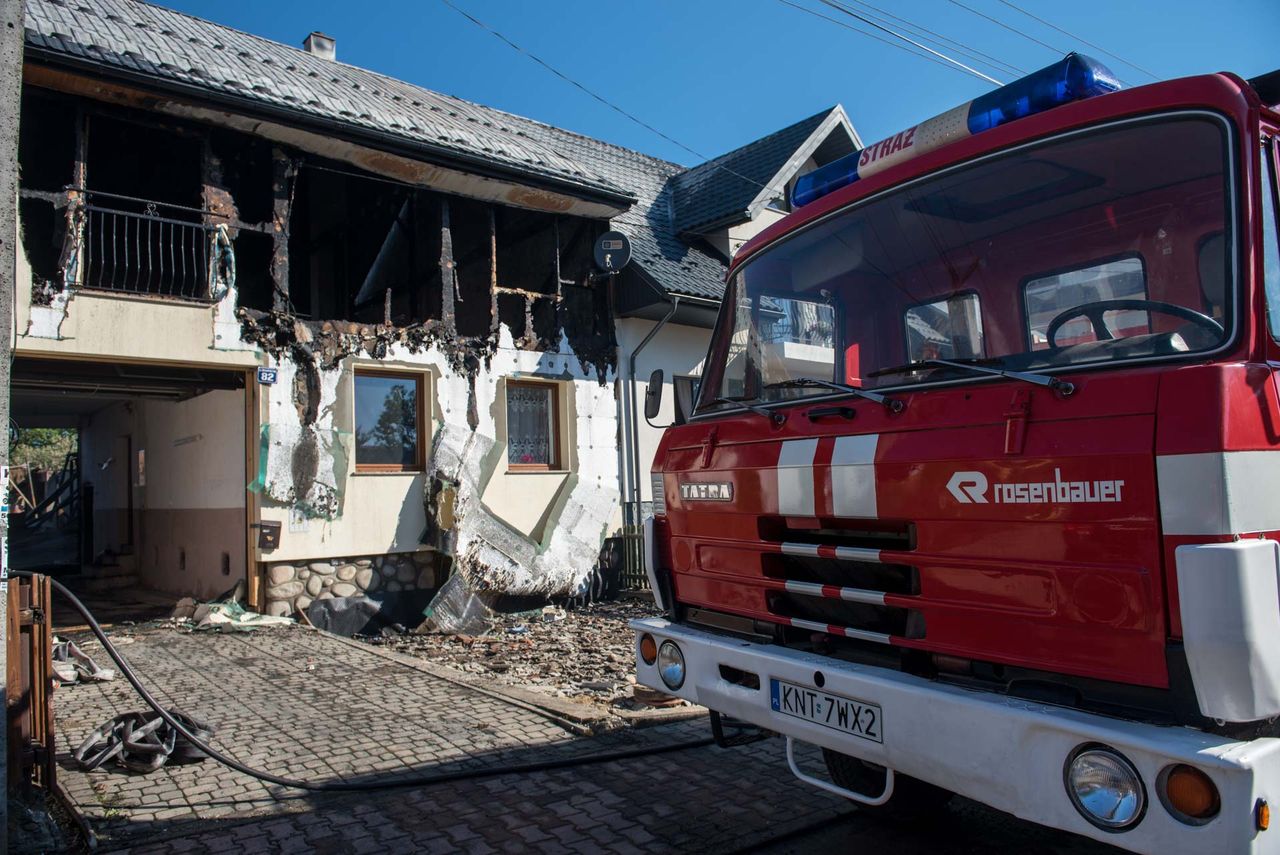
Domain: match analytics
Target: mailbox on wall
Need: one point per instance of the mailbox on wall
(268, 535)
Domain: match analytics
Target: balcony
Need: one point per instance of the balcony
(128, 245)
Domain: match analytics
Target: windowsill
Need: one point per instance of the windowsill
(511, 471)
(388, 471)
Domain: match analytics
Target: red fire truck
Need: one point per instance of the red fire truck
(981, 494)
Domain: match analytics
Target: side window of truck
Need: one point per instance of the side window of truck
(1049, 295)
(1270, 239)
(950, 328)
(797, 338)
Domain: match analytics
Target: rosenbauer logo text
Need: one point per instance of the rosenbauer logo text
(971, 488)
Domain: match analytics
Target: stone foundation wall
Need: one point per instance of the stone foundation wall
(293, 585)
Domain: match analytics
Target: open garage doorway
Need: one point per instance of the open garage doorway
(156, 500)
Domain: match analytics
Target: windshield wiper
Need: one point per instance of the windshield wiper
(1063, 387)
(893, 404)
(772, 415)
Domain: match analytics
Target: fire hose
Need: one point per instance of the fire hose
(194, 733)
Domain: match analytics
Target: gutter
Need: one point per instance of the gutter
(632, 461)
(350, 132)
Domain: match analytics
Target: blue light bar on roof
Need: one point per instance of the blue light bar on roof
(1072, 78)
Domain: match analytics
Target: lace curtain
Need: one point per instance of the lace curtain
(529, 425)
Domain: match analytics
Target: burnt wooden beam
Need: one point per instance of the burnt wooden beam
(216, 200)
(493, 271)
(448, 271)
(284, 171)
(72, 258)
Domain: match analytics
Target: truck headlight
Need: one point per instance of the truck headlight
(1105, 788)
(671, 665)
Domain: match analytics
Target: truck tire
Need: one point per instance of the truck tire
(911, 796)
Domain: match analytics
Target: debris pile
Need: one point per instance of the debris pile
(584, 653)
(225, 614)
(71, 664)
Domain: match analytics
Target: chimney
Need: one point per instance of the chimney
(321, 45)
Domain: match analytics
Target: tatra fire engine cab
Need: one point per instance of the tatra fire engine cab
(981, 493)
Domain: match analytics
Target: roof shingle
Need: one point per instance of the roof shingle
(175, 50)
(725, 186)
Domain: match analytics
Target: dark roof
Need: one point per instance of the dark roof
(172, 50)
(724, 188)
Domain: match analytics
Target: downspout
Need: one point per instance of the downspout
(633, 447)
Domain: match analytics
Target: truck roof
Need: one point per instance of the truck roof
(1222, 92)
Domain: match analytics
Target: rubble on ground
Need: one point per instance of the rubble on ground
(584, 653)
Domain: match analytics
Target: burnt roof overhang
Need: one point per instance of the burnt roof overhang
(418, 150)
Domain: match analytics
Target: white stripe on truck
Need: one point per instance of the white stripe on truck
(853, 476)
(1219, 492)
(795, 477)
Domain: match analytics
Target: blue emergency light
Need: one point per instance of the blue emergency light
(1072, 78)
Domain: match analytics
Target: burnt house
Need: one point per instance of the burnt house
(320, 329)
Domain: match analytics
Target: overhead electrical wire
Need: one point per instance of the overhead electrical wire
(839, 7)
(1002, 24)
(1096, 47)
(595, 95)
(882, 39)
(925, 34)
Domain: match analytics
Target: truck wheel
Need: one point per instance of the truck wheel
(911, 796)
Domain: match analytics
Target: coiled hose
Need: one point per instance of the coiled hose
(344, 786)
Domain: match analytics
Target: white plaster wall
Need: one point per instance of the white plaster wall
(677, 349)
(566, 514)
(98, 325)
(195, 451)
(104, 466)
(193, 498)
(523, 499)
(743, 232)
(384, 512)
(191, 509)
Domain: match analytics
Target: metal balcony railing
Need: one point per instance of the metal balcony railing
(138, 246)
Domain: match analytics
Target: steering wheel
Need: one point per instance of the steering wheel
(1096, 310)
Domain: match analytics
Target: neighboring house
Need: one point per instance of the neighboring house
(319, 327)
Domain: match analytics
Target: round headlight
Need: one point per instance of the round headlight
(671, 665)
(1105, 788)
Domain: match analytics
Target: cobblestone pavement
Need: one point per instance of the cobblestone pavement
(300, 703)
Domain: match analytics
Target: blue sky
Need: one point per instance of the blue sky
(715, 74)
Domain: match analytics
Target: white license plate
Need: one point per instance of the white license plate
(856, 718)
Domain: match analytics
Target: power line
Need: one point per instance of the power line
(1000, 23)
(943, 41)
(612, 106)
(880, 39)
(1098, 48)
(850, 12)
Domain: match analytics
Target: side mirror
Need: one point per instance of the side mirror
(653, 395)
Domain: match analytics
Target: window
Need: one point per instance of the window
(533, 426)
(686, 392)
(1270, 248)
(1049, 296)
(945, 329)
(1034, 232)
(388, 422)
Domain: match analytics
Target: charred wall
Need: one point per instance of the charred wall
(322, 265)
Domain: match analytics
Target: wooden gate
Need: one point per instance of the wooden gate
(30, 683)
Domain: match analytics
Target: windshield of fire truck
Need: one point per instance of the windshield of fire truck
(1105, 246)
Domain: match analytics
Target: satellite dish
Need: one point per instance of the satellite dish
(612, 251)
